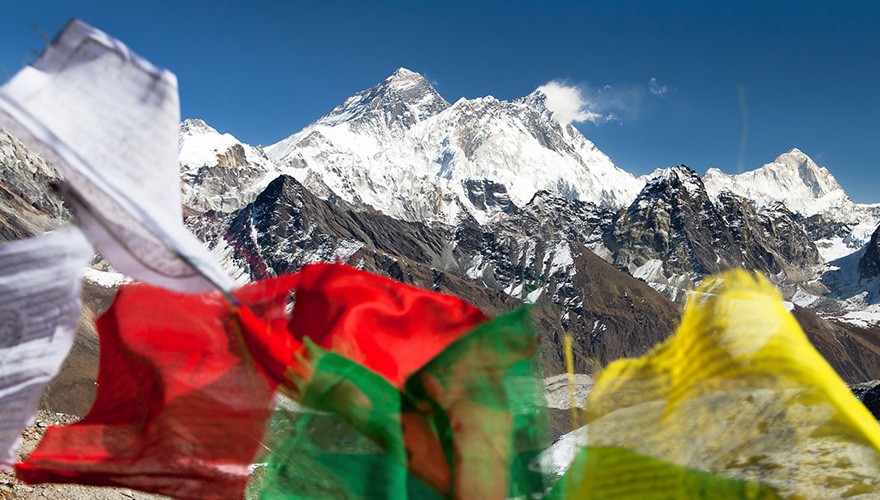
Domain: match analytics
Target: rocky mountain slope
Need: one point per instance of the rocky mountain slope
(836, 224)
(674, 234)
(869, 264)
(610, 313)
(218, 171)
(27, 204)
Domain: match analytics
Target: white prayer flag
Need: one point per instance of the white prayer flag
(40, 283)
(108, 121)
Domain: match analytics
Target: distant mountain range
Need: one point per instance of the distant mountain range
(499, 196)
(497, 202)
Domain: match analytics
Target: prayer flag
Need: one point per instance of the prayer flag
(467, 424)
(389, 327)
(39, 313)
(180, 408)
(185, 382)
(108, 121)
(738, 393)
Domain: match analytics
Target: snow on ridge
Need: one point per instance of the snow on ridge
(416, 168)
(199, 144)
(792, 178)
(403, 78)
(219, 172)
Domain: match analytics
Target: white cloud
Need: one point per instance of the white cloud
(583, 103)
(657, 88)
(567, 104)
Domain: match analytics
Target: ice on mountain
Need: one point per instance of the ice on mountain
(401, 149)
(793, 178)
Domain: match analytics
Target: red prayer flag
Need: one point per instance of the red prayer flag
(180, 408)
(185, 382)
(391, 328)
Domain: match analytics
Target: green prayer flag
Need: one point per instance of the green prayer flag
(467, 424)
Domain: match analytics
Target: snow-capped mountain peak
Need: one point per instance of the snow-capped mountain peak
(537, 100)
(398, 102)
(200, 145)
(668, 183)
(219, 172)
(793, 178)
(195, 126)
(400, 148)
(818, 179)
(403, 78)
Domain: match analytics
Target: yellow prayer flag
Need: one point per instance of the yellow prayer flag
(738, 393)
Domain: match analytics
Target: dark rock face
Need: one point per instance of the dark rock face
(495, 267)
(673, 220)
(771, 240)
(550, 216)
(820, 227)
(485, 194)
(869, 394)
(869, 265)
(28, 205)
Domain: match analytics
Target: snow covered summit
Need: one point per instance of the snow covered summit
(400, 148)
(792, 178)
(839, 225)
(219, 172)
(404, 98)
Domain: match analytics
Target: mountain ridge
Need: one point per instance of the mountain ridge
(792, 178)
(362, 156)
(484, 162)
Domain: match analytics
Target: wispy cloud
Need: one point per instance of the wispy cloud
(567, 103)
(583, 103)
(656, 87)
(619, 103)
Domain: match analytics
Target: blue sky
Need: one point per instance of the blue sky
(736, 83)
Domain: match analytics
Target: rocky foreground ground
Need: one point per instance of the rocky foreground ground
(11, 488)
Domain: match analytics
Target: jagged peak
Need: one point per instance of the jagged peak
(402, 74)
(682, 172)
(662, 179)
(537, 99)
(800, 164)
(793, 177)
(404, 98)
(196, 126)
(796, 156)
(404, 79)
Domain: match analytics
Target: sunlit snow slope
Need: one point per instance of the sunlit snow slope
(402, 149)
